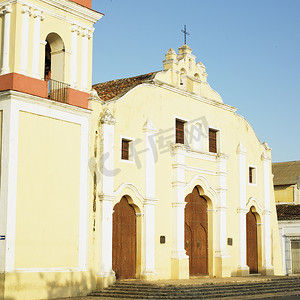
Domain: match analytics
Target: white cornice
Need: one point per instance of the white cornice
(11, 94)
(171, 88)
(194, 96)
(66, 6)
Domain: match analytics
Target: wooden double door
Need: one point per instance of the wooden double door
(196, 233)
(252, 249)
(124, 240)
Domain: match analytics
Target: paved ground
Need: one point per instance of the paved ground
(207, 280)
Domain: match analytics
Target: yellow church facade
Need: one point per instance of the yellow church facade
(151, 177)
(169, 141)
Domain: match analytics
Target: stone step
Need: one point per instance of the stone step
(203, 288)
(193, 295)
(139, 290)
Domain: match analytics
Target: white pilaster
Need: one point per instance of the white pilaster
(106, 199)
(266, 161)
(8, 191)
(221, 208)
(243, 269)
(179, 185)
(149, 235)
(149, 204)
(6, 39)
(24, 39)
(38, 17)
(74, 55)
(105, 233)
(107, 156)
(85, 59)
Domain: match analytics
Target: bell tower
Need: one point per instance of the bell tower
(45, 84)
(46, 49)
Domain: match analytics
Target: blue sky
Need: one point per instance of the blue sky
(251, 50)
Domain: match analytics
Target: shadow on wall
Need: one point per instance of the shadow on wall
(2, 285)
(71, 285)
(48, 285)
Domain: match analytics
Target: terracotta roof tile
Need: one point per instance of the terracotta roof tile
(287, 212)
(111, 89)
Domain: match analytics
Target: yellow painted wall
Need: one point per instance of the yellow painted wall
(47, 193)
(284, 193)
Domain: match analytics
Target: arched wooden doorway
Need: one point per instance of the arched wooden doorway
(252, 250)
(124, 240)
(196, 233)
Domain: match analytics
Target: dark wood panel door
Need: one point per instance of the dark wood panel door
(124, 240)
(196, 233)
(252, 251)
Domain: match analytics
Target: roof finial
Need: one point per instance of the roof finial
(185, 33)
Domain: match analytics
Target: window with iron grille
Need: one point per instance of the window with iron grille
(125, 149)
(179, 132)
(213, 140)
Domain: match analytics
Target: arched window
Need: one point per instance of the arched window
(183, 78)
(54, 57)
(196, 75)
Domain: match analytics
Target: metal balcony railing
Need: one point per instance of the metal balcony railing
(58, 91)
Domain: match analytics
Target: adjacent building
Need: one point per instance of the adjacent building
(286, 186)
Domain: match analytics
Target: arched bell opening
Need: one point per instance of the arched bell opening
(54, 58)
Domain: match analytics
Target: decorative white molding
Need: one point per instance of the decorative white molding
(149, 127)
(267, 212)
(86, 32)
(26, 13)
(149, 237)
(207, 188)
(6, 11)
(171, 88)
(131, 187)
(107, 118)
(240, 149)
(221, 207)
(38, 18)
(85, 60)
(71, 8)
(193, 153)
(179, 184)
(256, 203)
(265, 157)
(8, 183)
(150, 158)
(46, 103)
(243, 209)
(178, 204)
(74, 55)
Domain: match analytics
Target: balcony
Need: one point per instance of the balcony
(58, 91)
(52, 89)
